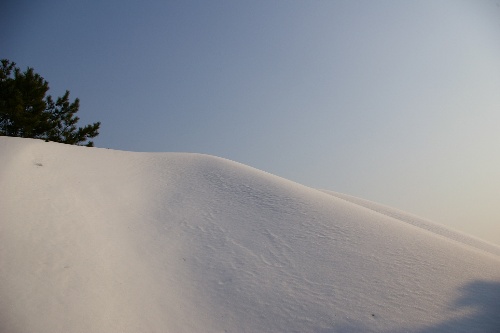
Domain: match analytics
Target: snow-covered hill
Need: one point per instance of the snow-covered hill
(96, 240)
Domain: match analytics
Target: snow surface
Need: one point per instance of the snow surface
(96, 240)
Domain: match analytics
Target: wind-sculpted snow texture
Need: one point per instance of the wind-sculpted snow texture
(96, 240)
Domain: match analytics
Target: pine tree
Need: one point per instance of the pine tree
(26, 112)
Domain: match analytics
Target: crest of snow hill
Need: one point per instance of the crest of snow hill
(96, 240)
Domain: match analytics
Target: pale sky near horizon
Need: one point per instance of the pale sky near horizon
(392, 101)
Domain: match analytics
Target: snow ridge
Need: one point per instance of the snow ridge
(421, 223)
(96, 240)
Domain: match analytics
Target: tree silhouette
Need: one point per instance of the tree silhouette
(26, 111)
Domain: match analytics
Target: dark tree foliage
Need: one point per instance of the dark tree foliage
(26, 112)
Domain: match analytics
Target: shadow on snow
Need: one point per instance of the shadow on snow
(483, 297)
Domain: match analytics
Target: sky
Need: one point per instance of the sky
(396, 102)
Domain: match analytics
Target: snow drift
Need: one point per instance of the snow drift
(96, 240)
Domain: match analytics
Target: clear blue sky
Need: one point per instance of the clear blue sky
(393, 101)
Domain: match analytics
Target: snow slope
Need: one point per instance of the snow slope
(96, 240)
(421, 223)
